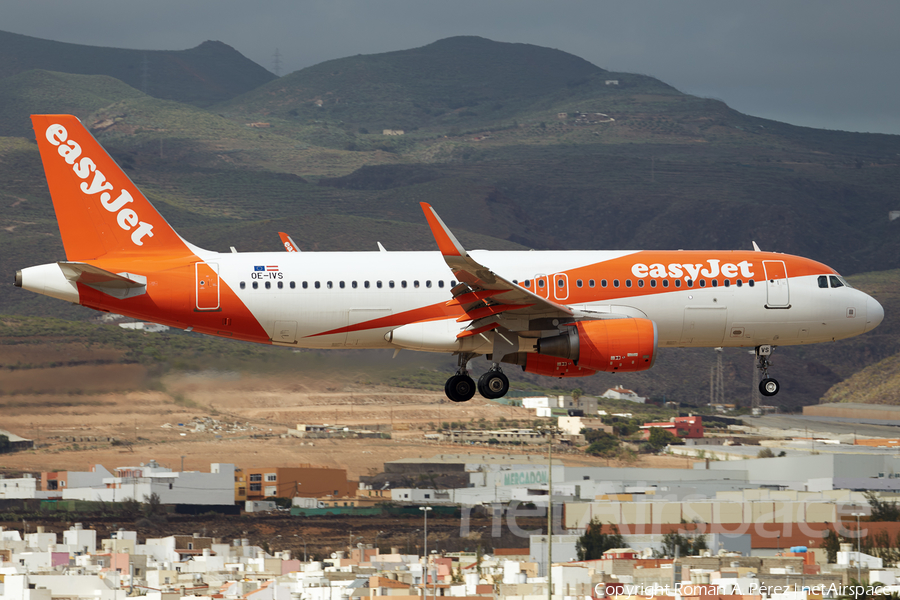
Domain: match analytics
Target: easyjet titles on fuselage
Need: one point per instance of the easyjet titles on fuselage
(126, 218)
(711, 269)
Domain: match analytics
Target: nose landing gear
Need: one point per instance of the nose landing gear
(768, 386)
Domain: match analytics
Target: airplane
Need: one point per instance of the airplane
(554, 313)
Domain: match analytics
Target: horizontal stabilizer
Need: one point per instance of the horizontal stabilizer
(118, 285)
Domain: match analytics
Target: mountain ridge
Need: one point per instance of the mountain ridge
(196, 76)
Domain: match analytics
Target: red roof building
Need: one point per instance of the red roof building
(683, 427)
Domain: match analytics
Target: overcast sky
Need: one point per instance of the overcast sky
(820, 63)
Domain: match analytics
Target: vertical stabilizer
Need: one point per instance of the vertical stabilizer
(99, 210)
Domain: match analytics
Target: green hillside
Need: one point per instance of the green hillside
(210, 73)
(460, 81)
(36, 92)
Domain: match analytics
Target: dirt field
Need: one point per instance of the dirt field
(243, 421)
(209, 417)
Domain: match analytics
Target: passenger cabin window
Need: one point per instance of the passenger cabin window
(590, 283)
(255, 285)
(627, 283)
(702, 283)
(615, 283)
(305, 285)
(403, 283)
(665, 283)
(293, 284)
(441, 283)
(652, 283)
(244, 284)
(268, 285)
(366, 284)
(318, 285)
(526, 283)
(640, 283)
(280, 285)
(341, 284)
(603, 283)
(540, 283)
(750, 283)
(353, 284)
(677, 283)
(378, 284)
(835, 282)
(579, 283)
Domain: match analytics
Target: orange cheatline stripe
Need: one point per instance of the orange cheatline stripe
(471, 332)
(487, 311)
(475, 296)
(444, 241)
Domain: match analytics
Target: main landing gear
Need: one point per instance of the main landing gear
(768, 386)
(493, 384)
(460, 387)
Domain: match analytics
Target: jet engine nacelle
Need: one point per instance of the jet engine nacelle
(553, 366)
(612, 345)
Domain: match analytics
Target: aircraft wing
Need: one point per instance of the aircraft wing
(483, 293)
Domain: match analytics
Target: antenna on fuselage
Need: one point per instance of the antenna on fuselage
(380, 247)
(755, 247)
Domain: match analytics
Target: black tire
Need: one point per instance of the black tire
(769, 387)
(493, 384)
(460, 388)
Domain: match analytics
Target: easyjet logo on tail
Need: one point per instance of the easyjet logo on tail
(95, 183)
(710, 269)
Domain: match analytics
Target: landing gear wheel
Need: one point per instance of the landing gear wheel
(460, 388)
(769, 387)
(493, 384)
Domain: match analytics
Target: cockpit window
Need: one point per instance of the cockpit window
(823, 281)
(836, 282)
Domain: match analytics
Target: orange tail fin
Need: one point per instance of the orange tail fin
(99, 210)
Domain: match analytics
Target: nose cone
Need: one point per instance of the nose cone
(874, 313)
